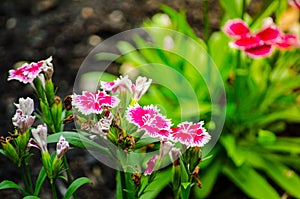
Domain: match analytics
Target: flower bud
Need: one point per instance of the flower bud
(40, 137)
(61, 147)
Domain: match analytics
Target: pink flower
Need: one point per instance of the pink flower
(140, 87)
(260, 44)
(295, 3)
(61, 147)
(149, 119)
(150, 165)
(236, 28)
(40, 138)
(190, 134)
(26, 73)
(93, 102)
(120, 84)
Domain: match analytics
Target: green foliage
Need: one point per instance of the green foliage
(76, 184)
(261, 99)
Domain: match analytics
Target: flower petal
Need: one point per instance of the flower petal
(268, 34)
(287, 41)
(260, 51)
(236, 28)
(247, 42)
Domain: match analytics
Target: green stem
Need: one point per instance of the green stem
(54, 193)
(206, 21)
(29, 179)
(243, 9)
(23, 176)
(123, 185)
(69, 176)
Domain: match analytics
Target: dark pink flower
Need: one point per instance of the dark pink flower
(287, 41)
(295, 3)
(93, 102)
(150, 165)
(26, 73)
(149, 119)
(190, 134)
(236, 28)
(260, 44)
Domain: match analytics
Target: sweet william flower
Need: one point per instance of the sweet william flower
(140, 87)
(40, 138)
(22, 119)
(120, 84)
(26, 73)
(26, 105)
(190, 134)
(151, 165)
(93, 102)
(149, 119)
(61, 147)
(262, 43)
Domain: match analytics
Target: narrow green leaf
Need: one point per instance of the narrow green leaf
(7, 184)
(161, 180)
(186, 189)
(31, 197)
(76, 184)
(40, 180)
(251, 182)
(208, 177)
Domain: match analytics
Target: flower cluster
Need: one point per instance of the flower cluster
(261, 43)
(106, 104)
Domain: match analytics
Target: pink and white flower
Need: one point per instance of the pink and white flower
(26, 73)
(295, 3)
(140, 87)
(151, 165)
(190, 134)
(260, 44)
(40, 138)
(149, 119)
(93, 102)
(22, 119)
(62, 147)
(120, 84)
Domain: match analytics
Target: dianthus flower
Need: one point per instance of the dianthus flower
(93, 102)
(262, 43)
(295, 3)
(26, 73)
(190, 134)
(149, 119)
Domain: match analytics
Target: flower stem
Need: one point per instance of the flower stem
(54, 193)
(23, 176)
(29, 178)
(69, 176)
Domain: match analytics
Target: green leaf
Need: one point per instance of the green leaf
(237, 156)
(232, 8)
(208, 177)
(186, 189)
(7, 184)
(162, 179)
(76, 184)
(265, 137)
(40, 180)
(31, 197)
(251, 182)
(2, 152)
(145, 141)
(76, 139)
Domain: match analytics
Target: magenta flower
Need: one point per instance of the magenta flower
(190, 134)
(26, 73)
(149, 119)
(295, 3)
(120, 84)
(260, 44)
(151, 165)
(61, 147)
(93, 102)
